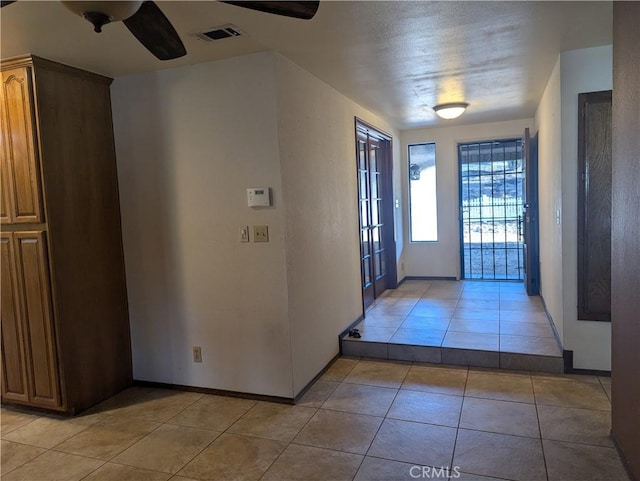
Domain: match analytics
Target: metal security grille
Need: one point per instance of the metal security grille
(491, 197)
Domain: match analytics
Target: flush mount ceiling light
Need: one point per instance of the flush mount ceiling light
(450, 111)
(100, 13)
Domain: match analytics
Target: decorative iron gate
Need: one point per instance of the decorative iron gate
(491, 198)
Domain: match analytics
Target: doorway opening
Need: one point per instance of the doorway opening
(375, 207)
(491, 179)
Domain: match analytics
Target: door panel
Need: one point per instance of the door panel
(19, 156)
(14, 370)
(365, 229)
(6, 207)
(594, 206)
(375, 193)
(377, 218)
(33, 281)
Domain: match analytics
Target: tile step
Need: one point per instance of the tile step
(455, 356)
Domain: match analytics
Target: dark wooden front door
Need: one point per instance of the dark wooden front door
(375, 199)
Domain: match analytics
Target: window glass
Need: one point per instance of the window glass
(423, 206)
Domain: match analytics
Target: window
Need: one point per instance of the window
(423, 206)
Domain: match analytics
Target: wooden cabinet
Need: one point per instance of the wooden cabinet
(65, 329)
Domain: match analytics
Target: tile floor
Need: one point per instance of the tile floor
(490, 324)
(363, 420)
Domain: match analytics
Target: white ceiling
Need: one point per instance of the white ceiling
(398, 58)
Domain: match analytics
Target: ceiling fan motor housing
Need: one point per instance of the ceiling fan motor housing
(100, 13)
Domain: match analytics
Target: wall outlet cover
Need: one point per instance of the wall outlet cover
(260, 233)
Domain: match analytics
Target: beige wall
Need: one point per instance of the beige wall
(576, 71)
(190, 141)
(585, 70)
(442, 258)
(317, 154)
(548, 120)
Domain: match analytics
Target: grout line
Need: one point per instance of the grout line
(502, 433)
(455, 441)
(99, 467)
(544, 458)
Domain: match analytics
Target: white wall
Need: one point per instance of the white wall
(548, 120)
(575, 72)
(442, 258)
(585, 70)
(189, 142)
(317, 154)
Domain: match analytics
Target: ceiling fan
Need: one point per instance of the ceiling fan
(152, 28)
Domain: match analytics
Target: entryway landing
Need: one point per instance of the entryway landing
(471, 323)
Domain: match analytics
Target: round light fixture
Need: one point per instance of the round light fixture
(451, 111)
(100, 13)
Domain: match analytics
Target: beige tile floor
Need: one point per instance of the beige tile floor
(493, 317)
(364, 420)
(470, 323)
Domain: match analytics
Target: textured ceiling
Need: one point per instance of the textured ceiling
(397, 59)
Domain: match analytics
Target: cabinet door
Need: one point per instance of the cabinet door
(21, 195)
(14, 370)
(34, 288)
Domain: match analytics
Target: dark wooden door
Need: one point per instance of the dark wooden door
(375, 198)
(530, 215)
(378, 218)
(364, 201)
(594, 206)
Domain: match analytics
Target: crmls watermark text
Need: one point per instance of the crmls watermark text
(429, 472)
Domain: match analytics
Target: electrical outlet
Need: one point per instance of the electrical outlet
(244, 234)
(197, 354)
(260, 233)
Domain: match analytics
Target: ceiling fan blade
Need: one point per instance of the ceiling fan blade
(153, 30)
(303, 10)
(4, 3)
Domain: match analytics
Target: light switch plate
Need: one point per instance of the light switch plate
(244, 233)
(260, 233)
(197, 354)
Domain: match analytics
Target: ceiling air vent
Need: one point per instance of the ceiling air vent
(218, 33)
